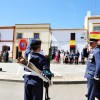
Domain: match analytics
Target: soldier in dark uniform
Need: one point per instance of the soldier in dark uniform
(86, 53)
(67, 57)
(82, 57)
(7, 56)
(77, 54)
(93, 71)
(34, 84)
(71, 57)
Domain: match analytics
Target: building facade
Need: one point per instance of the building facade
(28, 31)
(68, 39)
(62, 39)
(7, 39)
(92, 24)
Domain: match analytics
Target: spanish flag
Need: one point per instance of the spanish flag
(95, 35)
(72, 43)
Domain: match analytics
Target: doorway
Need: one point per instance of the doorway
(73, 49)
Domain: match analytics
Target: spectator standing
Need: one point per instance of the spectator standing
(4, 56)
(71, 57)
(61, 57)
(77, 54)
(66, 57)
(82, 57)
(57, 56)
(7, 56)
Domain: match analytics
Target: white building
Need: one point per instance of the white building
(92, 24)
(6, 39)
(61, 38)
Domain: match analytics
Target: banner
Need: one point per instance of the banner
(95, 35)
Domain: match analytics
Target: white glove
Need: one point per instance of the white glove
(96, 78)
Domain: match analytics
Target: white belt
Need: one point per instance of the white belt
(29, 73)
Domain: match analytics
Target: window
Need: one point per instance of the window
(36, 35)
(72, 36)
(19, 35)
(96, 29)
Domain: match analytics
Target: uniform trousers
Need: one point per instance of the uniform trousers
(93, 90)
(33, 88)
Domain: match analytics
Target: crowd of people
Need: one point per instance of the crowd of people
(60, 56)
(4, 56)
(66, 57)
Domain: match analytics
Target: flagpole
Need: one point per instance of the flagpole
(95, 6)
(0, 36)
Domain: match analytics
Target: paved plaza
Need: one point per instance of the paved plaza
(11, 78)
(62, 73)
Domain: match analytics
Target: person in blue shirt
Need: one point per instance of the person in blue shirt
(93, 71)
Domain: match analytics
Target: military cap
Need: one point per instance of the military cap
(93, 40)
(35, 43)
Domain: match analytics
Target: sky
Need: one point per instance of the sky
(59, 13)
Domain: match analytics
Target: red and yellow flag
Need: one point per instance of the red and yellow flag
(72, 43)
(95, 35)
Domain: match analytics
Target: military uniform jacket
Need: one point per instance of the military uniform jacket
(93, 64)
(39, 61)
